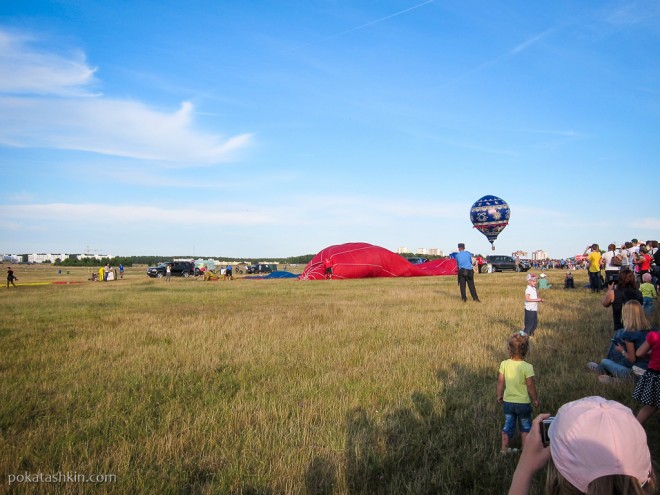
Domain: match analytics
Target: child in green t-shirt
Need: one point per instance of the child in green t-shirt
(516, 390)
(648, 293)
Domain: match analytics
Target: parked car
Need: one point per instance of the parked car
(500, 263)
(417, 261)
(261, 268)
(178, 269)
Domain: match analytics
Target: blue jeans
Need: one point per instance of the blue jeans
(615, 369)
(648, 305)
(514, 412)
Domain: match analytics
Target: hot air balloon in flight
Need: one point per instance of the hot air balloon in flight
(490, 215)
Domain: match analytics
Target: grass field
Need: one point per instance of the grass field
(277, 386)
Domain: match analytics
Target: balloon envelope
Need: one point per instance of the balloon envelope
(490, 215)
(362, 260)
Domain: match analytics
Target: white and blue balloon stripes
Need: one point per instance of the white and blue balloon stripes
(490, 215)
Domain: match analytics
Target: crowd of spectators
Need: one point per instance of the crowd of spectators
(627, 252)
(594, 445)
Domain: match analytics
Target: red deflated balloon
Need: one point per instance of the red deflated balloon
(362, 260)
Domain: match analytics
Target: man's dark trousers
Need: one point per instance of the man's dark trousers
(465, 275)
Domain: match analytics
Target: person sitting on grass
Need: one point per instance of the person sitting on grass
(596, 446)
(569, 282)
(516, 390)
(543, 282)
(621, 356)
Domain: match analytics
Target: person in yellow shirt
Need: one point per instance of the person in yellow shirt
(516, 391)
(593, 259)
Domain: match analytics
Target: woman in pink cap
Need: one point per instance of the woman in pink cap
(596, 446)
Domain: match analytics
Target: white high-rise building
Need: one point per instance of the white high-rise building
(539, 255)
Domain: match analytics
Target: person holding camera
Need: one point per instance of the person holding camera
(624, 290)
(580, 459)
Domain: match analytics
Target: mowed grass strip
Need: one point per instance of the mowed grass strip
(278, 386)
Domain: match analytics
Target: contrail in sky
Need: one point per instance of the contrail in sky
(362, 26)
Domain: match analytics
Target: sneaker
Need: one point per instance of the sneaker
(592, 366)
(637, 371)
(606, 379)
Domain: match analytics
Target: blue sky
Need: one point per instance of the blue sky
(271, 129)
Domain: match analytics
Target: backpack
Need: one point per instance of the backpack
(616, 260)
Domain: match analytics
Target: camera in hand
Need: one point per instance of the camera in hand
(545, 428)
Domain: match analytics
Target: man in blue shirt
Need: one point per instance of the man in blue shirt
(465, 272)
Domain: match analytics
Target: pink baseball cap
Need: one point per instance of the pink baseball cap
(594, 437)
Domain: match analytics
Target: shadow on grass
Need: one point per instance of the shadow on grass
(439, 444)
(448, 441)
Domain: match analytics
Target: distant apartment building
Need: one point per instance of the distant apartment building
(421, 251)
(49, 257)
(429, 251)
(45, 257)
(539, 255)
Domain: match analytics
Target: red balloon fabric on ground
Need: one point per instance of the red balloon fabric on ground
(362, 260)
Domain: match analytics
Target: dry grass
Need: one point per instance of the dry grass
(276, 386)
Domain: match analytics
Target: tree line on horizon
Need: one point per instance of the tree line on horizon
(155, 260)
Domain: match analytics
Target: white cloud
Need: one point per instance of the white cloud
(339, 211)
(33, 118)
(112, 127)
(24, 70)
(135, 214)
